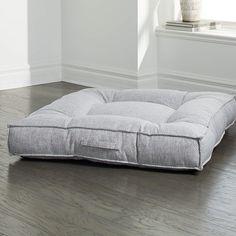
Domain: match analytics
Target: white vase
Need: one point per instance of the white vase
(191, 10)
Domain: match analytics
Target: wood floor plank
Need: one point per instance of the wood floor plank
(82, 198)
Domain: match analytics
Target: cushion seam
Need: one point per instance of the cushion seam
(47, 109)
(183, 101)
(104, 97)
(116, 131)
(200, 154)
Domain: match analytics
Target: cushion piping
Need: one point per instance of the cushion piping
(116, 131)
(63, 157)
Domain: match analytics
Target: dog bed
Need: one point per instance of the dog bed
(147, 128)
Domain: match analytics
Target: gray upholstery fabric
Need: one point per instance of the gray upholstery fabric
(152, 128)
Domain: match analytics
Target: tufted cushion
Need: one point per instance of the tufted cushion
(152, 128)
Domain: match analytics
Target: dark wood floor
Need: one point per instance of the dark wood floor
(81, 198)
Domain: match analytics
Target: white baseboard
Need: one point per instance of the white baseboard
(194, 82)
(43, 74)
(92, 77)
(106, 79)
(29, 75)
(96, 78)
(147, 81)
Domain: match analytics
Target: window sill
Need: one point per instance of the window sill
(222, 36)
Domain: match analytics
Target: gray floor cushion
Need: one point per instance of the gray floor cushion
(151, 128)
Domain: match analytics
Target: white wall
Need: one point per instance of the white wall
(110, 43)
(100, 33)
(168, 10)
(13, 38)
(44, 31)
(194, 62)
(100, 39)
(106, 43)
(147, 46)
(30, 42)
